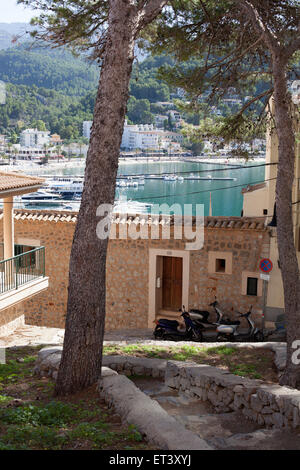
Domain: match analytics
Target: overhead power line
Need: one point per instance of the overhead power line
(205, 190)
(213, 170)
(241, 167)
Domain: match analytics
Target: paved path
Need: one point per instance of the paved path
(29, 335)
(223, 431)
(34, 335)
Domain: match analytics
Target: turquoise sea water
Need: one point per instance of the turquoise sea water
(226, 199)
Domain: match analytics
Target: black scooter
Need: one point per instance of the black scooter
(230, 332)
(208, 327)
(170, 329)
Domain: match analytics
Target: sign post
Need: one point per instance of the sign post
(266, 267)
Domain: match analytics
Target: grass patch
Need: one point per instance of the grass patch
(38, 421)
(243, 362)
(246, 370)
(221, 350)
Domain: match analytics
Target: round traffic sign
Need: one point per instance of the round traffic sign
(266, 265)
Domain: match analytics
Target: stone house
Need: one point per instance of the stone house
(147, 278)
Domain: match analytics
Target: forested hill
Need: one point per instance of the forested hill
(55, 69)
(53, 86)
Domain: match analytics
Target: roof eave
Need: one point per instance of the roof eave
(18, 191)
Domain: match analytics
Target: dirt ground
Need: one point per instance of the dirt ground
(32, 418)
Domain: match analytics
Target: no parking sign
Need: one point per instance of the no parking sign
(266, 265)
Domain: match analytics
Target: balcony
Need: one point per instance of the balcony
(22, 276)
(22, 269)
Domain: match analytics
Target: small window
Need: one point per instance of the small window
(265, 211)
(252, 285)
(220, 265)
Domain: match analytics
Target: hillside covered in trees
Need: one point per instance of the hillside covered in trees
(59, 89)
(53, 89)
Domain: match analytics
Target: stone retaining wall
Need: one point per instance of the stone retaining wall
(152, 421)
(268, 405)
(136, 365)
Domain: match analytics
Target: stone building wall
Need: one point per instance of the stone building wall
(48, 307)
(247, 248)
(128, 269)
(13, 315)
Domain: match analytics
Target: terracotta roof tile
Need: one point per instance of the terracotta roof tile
(11, 180)
(253, 187)
(225, 223)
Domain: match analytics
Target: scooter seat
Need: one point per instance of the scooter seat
(165, 321)
(204, 313)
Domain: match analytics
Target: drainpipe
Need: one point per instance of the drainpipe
(8, 227)
(8, 239)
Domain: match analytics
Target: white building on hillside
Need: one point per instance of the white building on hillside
(34, 138)
(146, 137)
(138, 136)
(160, 119)
(86, 129)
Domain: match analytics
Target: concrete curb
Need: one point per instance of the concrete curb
(151, 420)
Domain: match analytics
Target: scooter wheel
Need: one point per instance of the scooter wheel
(198, 338)
(223, 339)
(259, 337)
(167, 338)
(158, 333)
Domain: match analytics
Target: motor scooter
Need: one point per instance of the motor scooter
(277, 334)
(171, 329)
(209, 327)
(230, 332)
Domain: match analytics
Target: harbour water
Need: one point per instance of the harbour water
(226, 194)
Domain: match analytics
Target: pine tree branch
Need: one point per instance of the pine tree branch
(260, 25)
(150, 11)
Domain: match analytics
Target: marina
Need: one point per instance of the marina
(141, 186)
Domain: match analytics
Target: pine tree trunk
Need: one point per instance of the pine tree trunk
(82, 352)
(285, 235)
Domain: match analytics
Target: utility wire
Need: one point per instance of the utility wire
(241, 167)
(213, 170)
(205, 190)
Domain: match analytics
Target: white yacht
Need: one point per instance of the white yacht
(41, 197)
(170, 177)
(67, 187)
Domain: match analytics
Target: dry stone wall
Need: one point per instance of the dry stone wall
(269, 405)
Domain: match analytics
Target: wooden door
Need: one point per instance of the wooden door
(172, 283)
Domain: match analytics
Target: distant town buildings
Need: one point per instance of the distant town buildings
(160, 120)
(2, 143)
(86, 129)
(34, 138)
(55, 139)
(147, 137)
(75, 149)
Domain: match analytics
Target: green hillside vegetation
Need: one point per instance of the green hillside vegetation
(59, 90)
(55, 69)
(53, 89)
(26, 105)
